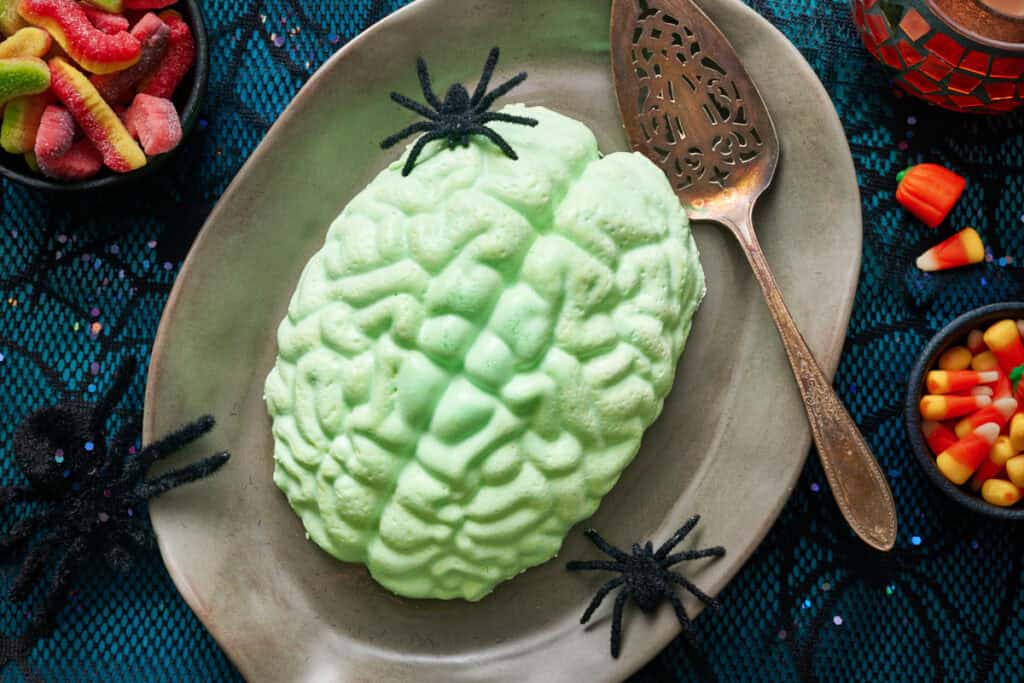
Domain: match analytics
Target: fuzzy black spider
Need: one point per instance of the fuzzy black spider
(459, 116)
(645, 578)
(91, 493)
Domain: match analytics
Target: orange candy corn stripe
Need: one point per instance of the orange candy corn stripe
(959, 461)
(1003, 339)
(939, 436)
(962, 249)
(946, 407)
(948, 381)
(95, 117)
(999, 413)
(1001, 452)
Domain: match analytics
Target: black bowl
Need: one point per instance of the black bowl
(188, 99)
(952, 334)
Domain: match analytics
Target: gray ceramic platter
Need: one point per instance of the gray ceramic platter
(730, 443)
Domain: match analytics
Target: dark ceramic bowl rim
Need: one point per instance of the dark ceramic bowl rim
(193, 15)
(954, 332)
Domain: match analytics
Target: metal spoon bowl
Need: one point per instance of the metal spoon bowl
(689, 106)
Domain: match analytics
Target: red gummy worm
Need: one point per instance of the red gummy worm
(180, 55)
(67, 22)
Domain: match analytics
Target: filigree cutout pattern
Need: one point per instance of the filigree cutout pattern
(670, 64)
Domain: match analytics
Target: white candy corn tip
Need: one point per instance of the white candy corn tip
(928, 262)
(988, 431)
(1020, 327)
(988, 376)
(928, 427)
(1005, 406)
(982, 391)
(982, 401)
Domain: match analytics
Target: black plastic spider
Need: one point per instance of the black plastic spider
(92, 493)
(459, 116)
(645, 578)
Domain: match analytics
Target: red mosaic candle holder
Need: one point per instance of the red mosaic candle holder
(964, 55)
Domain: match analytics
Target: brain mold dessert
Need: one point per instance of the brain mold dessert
(471, 360)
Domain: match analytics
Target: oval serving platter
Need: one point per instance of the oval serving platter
(285, 611)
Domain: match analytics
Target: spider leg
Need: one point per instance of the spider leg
(415, 106)
(496, 139)
(689, 585)
(489, 116)
(23, 530)
(584, 565)
(485, 77)
(681, 615)
(425, 85)
(487, 100)
(605, 547)
(677, 537)
(716, 551)
(602, 593)
(418, 127)
(33, 566)
(174, 441)
(45, 617)
(620, 602)
(165, 482)
(105, 406)
(114, 465)
(414, 153)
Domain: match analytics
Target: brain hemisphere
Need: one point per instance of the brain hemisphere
(470, 361)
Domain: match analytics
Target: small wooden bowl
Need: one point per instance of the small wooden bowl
(952, 334)
(187, 99)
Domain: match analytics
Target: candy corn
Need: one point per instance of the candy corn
(981, 390)
(962, 249)
(938, 436)
(1003, 340)
(27, 42)
(95, 117)
(180, 55)
(946, 407)
(152, 34)
(1001, 452)
(95, 50)
(959, 461)
(21, 121)
(946, 381)
(956, 358)
(986, 360)
(976, 341)
(1000, 492)
(999, 413)
(1002, 388)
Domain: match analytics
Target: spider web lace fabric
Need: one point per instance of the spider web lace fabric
(83, 282)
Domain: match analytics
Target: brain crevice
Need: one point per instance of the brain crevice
(471, 359)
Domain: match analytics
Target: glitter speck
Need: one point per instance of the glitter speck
(106, 493)
(62, 238)
(89, 446)
(890, 589)
(151, 244)
(984, 282)
(1, 358)
(837, 620)
(815, 487)
(168, 265)
(807, 603)
(94, 368)
(95, 312)
(912, 120)
(96, 328)
(203, 123)
(92, 388)
(826, 586)
(334, 38)
(104, 517)
(903, 146)
(277, 40)
(782, 634)
(58, 459)
(915, 540)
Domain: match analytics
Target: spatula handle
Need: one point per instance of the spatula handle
(857, 482)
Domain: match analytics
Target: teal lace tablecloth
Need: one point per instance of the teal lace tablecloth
(83, 282)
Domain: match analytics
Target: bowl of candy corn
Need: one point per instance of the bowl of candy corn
(965, 410)
(99, 92)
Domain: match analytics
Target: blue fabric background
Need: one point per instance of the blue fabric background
(812, 604)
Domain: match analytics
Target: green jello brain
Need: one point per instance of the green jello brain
(471, 359)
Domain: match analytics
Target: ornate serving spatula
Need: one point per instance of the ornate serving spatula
(690, 107)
